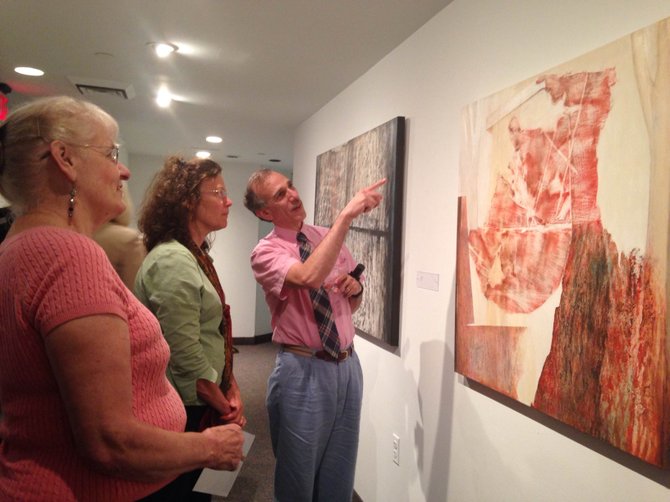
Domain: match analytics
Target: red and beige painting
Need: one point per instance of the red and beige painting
(562, 262)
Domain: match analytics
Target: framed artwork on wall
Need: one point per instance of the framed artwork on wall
(562, 247)
(374, 238)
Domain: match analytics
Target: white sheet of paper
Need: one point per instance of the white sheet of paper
(220, 482)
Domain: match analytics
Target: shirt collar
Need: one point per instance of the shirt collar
(291, 235)
(287, 234)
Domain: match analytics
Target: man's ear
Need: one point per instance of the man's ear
(264, 214)
(61, 152)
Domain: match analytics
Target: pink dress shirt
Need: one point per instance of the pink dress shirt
(291, 308)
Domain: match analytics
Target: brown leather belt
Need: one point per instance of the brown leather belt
(319, 354)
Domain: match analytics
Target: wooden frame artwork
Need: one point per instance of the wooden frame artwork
(562, 261)
(375, 238)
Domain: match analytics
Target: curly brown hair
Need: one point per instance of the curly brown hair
(171, 199)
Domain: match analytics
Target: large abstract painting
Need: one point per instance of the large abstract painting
(374, 239)
(562, 262)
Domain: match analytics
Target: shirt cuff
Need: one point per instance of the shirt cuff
(211, 375)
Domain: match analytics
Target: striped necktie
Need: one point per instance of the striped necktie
(323, 313)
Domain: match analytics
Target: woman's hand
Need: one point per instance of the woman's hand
(234, 398)
(212, 395)
(226, 443)
(94, 379)
(229, 405)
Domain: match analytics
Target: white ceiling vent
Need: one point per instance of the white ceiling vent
(93, 87)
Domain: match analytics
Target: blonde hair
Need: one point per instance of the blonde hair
(24, 139)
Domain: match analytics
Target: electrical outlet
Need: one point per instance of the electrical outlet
(396, 449)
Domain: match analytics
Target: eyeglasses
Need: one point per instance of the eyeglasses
(113, 151)
(219, 192)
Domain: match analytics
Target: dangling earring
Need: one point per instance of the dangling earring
(70, 206)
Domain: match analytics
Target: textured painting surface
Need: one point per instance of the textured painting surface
(563, 243)
(374, 238)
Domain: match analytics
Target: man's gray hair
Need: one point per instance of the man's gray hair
(251, 199)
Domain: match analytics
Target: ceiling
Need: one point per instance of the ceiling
(249, 71)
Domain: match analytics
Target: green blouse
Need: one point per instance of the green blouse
(173, 286)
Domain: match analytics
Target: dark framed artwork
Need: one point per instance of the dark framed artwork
(563, 238)
(374, 238)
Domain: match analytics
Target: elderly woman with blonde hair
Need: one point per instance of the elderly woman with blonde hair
(88, 413)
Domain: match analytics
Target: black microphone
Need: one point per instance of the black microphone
(356, 273)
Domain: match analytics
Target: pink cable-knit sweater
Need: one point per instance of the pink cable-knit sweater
(49, 276)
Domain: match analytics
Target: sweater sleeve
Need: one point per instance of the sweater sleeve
(69, 277)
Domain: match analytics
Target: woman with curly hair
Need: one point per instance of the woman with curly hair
(186, 202)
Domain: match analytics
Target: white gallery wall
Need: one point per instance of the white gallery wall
(459, 442)
(231, 247)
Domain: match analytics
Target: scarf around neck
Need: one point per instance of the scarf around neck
(225, 328)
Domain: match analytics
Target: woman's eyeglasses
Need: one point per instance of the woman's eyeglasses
(219, 192)
(112, 151)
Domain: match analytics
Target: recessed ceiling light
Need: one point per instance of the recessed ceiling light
(203, 154)
(164, 98)
(213, 139)
(164, 49)
(27, 70)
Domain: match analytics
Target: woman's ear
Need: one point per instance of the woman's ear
(62, 154)
(189, 204)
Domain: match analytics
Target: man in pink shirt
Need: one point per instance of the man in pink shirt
(315, 391)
